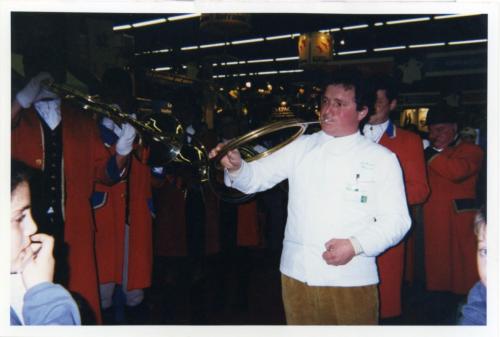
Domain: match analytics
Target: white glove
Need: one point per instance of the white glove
(125, 139)
(109, 124)
(33, 92)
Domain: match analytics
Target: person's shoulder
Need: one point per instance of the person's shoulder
(376, 148)
(464, 146)
(408, 135)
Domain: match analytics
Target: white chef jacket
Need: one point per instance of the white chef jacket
(339, 187)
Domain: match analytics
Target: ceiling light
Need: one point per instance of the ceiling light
(182, 17)
(122, 27)
(291, 71)
(162, 68)
(211, 45)
(334, 29)
(260, 61)
(277, 37)
(161, 51)
(453, 43)
(189, 48)
(424, 45)
(290, 58)
(355, 27)
(149, 22)
(377, 24)
(258, 39)
(397, 22)
(361, 51)
(267, 72)
(452, 16)
(389, 48)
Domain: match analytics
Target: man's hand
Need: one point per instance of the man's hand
(338, 252)
(126, 138)
(39, 266)
(231, 161)
(34, 92)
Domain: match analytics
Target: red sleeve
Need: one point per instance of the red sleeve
(459, 163)
(417, 188)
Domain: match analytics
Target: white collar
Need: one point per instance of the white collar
(49, 111)
(375, 131)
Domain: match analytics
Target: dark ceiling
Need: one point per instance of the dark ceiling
(27, 28)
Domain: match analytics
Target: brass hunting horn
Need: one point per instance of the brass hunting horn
(163, 133)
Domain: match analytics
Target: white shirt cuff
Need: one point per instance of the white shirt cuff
(358, 249)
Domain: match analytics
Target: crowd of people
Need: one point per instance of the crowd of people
(91, 214)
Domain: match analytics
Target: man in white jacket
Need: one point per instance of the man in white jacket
(346, 205)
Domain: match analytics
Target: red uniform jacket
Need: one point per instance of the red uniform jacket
(85, 159)
(110, 211)
(450, 243)
(170, 226)
(170, 233)
(408, 148)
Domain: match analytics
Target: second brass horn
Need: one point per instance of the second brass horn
(261, 132)
(163, 132)
(248, 153)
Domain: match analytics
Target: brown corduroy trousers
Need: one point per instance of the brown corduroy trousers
(311, 305)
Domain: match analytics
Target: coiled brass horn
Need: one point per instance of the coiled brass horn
(245, 144)
(163, 133)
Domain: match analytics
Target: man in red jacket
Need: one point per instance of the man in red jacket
(63, 143)
(408, 147)
(123, 216)
(453, 167)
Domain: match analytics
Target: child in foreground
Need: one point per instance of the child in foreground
(474, 311)
(34, 299)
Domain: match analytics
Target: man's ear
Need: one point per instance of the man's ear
(362, 113)
(393, 104)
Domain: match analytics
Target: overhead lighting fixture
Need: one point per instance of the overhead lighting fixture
(212, 45)
(189, 48)
(350, 52)
(278, 37)
(289, 58)
(122, 27)
(389, 48)
(291, 71)
(425, 45)
(183, 17)
(334, 29)
(355, 27)
(149, 22)
(378, 24)
(258, 39)
(453, 16)
(161, 51)
(162, 68)
(260, 61)
(454, 43)
(397, 22)
(271, 72)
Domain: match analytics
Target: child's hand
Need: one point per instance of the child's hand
(39, 266)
